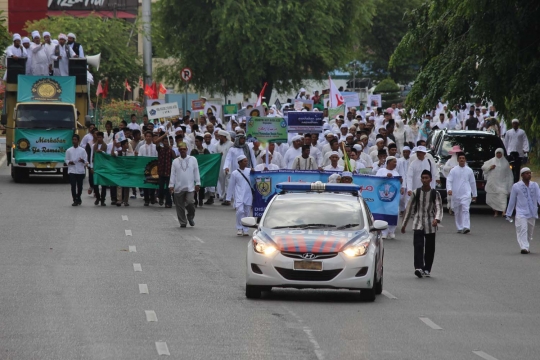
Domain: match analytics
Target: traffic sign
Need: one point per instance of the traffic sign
(186, 74)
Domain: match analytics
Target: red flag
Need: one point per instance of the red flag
(162, 89)
(154, 90)
(149, 92)
(336, 99)
(141, 84)
(99, 90)
(126, 84)
(105, 89)
(259, 99)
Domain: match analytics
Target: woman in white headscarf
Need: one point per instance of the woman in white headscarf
(499, 183)
(399, 134)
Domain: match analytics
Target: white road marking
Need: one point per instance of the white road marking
(143, 289)
(483, 355)
(430, 323)
(198, 239)
(137, 267)
(132, 248)
(124, 218)
(150, 315)
(388, 295)
(162, 348)
(316, 347)
(128, 233)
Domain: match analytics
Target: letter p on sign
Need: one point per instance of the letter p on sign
(186, 74)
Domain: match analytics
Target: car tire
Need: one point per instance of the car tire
(253, 292)
(379, 284)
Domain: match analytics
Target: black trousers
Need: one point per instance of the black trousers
(100, 195)
(516, 166)
(149, 195)
(90, 178)
(76, 181)
(113, 190)
(164, 193)
(199, 197)
(424, 250)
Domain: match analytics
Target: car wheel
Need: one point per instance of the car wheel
(368, 295)
(253, 292)
(379, 284)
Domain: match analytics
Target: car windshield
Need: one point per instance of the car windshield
(476, 147)
(44, 116)
(314, 212)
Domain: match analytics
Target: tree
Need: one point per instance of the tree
(378, 44)
(481, 49)
(237, 46)
(113, 38)
(390, 92)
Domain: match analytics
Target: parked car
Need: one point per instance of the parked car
(478, 146)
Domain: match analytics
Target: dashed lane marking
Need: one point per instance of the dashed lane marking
(483, 355)
(307, 330)
(430, 323)
(162, 348)
(124, 218)
(128, 233)
(388, 295)
(143, 289)
(137, 267)
(132, 248)
(150, 315)
(198, 239)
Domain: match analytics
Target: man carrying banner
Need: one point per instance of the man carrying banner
(240, 188)
(305, 161)
(390, 172)
(148, 148)
(185, 180)
(263, 167)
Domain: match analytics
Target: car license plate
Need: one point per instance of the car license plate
(308, 265)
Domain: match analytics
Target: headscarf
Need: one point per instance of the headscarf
(425, 130)
(500, 179)
(244, 147)
(16, 37)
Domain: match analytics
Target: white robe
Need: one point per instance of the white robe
(499, 182)
(271, 166)
(516, 141)
(240, 189)
(232, 155)
(277, 160)
(40, 61)
(414, 173)
(461, 182)
(300, 163)
(290, 155)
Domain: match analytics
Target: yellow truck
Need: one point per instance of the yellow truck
(41, 114)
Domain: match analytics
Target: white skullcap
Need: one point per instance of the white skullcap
(390, 158)
(72, 35)
(354, 122)
(296, 138)
(302, 90)
(46, 33)
(326, 126)
(207, 133)
(414, 149)
(405, 148)
(333, 178)
(379, 140)
(327, 132)
(25, 40)
(240, 158)
(515, 121)
(55, 42)
(343, 126)
(358, 147)
(238, 128)
(349, 134)
(333, 153)
(62, 36)
(371, 118)
(223, 133)
(16, 37)
(346, 173)
(525, 169)
(363, 137)
(35, 34)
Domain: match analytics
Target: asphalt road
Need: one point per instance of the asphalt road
(69, 290)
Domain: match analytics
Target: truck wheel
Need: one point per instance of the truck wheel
(19, 175)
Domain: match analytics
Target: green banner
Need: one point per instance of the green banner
(142, 171)
(46, 89)
(334, 112)
(41, 145)
(230, 109)
(267, 129)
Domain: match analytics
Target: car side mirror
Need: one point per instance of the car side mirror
(378, 225)
(250, 222)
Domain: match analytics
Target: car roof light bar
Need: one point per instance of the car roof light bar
(317, 186)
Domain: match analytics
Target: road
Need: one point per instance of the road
(70, 288)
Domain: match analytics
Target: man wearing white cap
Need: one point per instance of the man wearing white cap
(302, 95)
(40, 60)
(262, 166)
(390, 172)
(15, 51)
(26, 45)
(334, 159)
(294, 151)
(517, 146)
(185, 180)
(77, 48)
(414, 173)
(240, 188)
(60, 57)
(525, 197)
(49, 48)
(305, 161)
(223, 147)
(460, 184)
(403, 168)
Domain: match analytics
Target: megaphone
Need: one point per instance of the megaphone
(94, 60)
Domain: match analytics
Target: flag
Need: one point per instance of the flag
(141, 171)
(148, 92)
(162, 89)
(105, 89)
(154, 90)
(126, 84)
(259, 99)
(141, 84)
(99, 90)
(336, 99)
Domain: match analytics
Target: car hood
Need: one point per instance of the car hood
(312, 240)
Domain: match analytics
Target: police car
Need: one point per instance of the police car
(316, 235)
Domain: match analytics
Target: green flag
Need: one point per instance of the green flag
(142, 171)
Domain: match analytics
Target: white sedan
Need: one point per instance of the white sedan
(315, 235)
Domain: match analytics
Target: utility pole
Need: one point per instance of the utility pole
(147, 41)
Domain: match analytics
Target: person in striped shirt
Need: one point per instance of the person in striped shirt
(425, 206)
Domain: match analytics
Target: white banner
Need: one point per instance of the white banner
(163, 111)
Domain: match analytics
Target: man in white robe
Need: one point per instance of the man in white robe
(15, 51)
(240, 188)
(402, 168)
(390, 171)
(60, 57)
(26, 45)
(414, 173)
(49, 48)
(517, 146)
(40, 61)
(334, 157)
(460, 184)
(293, 152)
(525, 197)
(185, 180)
(262, 166)
(223, 147)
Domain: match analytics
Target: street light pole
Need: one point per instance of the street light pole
(147, 40)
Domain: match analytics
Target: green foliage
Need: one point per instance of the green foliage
(378, 44)
(116, 111)
(5, 37)
(386, 86)
(238, 45)
(476, 49)
(112, 38)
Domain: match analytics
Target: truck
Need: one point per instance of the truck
(41, 114)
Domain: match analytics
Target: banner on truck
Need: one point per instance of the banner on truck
(41, 145)
(46, 88)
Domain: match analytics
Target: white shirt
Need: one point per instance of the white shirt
(185, 174)
(330, 168)
(402, 168)
(239, 188)
(40, 60)
(134, 126)
(75, 154)
(414, 173)
(300, 163)
(211, 147)
(148, 150)
(383, 172)
(277, 159)
(524, 199)
(232, 155)
(516, 141)
(461, 182)
(81, 51)
(85, 140)
(290, 155)
(108, 138)
(271, 166)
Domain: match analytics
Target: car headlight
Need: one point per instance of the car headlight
(358, 248)
(262, 247)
